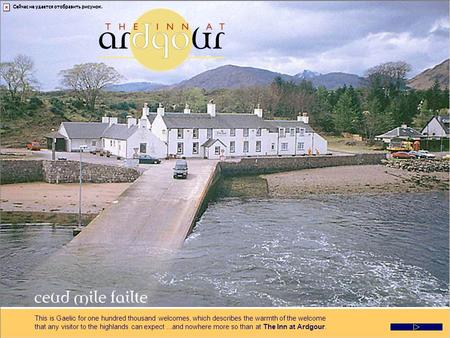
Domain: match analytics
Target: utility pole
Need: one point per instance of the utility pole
(81, 181)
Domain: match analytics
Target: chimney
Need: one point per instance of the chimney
(145, 109)
(105, 119)
(305, 118)
(112, 120)
(131, 121)
(186, 109)
(211, 108)
(160, 110)
(404, 126)
(258, 111)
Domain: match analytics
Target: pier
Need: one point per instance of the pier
(155, 211)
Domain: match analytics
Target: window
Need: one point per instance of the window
(209, 133)
(180, 148)
(195, 133)
(272, 147)
(232, 146)
(292, 131)
(110, 143)
(180, 133)
(232, 132)
(301, 131)
(258, 132)
(245, 146)
(195, 147)
(94, 143)
(258, 146)
(284, 146)
(217, 150)
(143, 147)
(103, 143)
(300, 146)
(245, 132)
(282, 132)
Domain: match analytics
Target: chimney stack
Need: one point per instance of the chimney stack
(258, 111)
(186, 109)
(305, 118)
(404, 126)
(211, 108)
(112, 120)
(131, 121)
(105, 119)
(145, 109)
(160, 110)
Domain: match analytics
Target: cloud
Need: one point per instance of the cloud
(286, 37)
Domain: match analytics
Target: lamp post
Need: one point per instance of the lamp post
(83, 147)
(53, 145)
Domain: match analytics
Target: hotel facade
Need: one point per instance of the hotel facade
(196, 135)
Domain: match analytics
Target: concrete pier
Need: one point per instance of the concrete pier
(156, 211)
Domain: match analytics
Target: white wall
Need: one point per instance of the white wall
(434, 128)
(223, 135)
(154, 146)
(115, 147)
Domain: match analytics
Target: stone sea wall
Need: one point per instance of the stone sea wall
(269, 165)
(17, 171)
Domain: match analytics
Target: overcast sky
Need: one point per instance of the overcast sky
(286, 37)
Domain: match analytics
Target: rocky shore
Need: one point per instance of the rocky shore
(421, 165)
(353, 179)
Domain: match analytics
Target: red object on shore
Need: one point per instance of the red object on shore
(402, 154)
(35, 146)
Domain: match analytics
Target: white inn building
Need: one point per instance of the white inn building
(185, 134)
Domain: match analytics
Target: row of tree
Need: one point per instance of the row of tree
(383, 104)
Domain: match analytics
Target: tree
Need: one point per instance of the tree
(18, 76)
(347, 116)
(424, 115)
(88, 80)
(391, 75)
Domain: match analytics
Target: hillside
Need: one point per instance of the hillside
(231, 76)
(426, 79)
(135, 87)
(337, 79)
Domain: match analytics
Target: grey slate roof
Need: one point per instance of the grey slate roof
(119, 131)
(220, 121)
(292, 124)
(80, 130)
(54, 134)
(401, 132)
(211, 141)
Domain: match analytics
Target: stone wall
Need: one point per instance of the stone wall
(268, 165)
(69, 172)
(18, 171)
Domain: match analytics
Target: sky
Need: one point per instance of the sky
(286, 37)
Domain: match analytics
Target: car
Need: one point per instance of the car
(446, 157)
(180, 169)
(426, 154)
(147, 159)
(422, 154)
(34, 146)
(403, 155)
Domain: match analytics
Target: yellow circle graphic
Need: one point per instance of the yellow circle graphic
(161, 39)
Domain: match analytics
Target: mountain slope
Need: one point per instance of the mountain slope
(231, 76)
(337, 79)
(426, 79)
(135, 87)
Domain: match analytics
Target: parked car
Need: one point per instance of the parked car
(426, 154)
(446, 157)
(180, 169)
(147, 159)
(403, 155)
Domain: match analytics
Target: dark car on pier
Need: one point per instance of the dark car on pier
(180, 169)
(147, 159)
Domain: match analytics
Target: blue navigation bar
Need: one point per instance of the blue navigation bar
(416, 327)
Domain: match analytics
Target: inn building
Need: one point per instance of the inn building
(209, 135)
